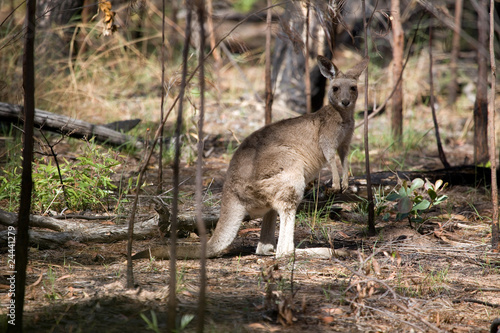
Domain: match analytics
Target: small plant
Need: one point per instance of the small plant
(380, 204)
(152, 324)
(51, 293)
(411, 203)
(86, 183)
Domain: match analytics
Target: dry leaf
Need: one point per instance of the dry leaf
(376, 266)
(327, 320)
(109, 18)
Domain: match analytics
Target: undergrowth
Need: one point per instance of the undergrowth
(81, 184)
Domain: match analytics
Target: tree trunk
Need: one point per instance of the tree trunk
(269, 89)
(481, 103)
(455, 48)
(56, 13)
(397, 53)
(495, 235)
(18, 258)
(288, 63)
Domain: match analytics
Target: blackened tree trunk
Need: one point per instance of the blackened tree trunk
(20, 256)
(52, 13)
(397, 53)
(481, 103)
(289, 59)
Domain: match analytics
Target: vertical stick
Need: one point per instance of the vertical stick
(481, 151)
(162, 103)
(210, 26)
(442, 156)
(269, 91)
(495, 237)
(455, 48)
(199, 172)
(397, 70)
(18, 259)
(172, 297)
(306, 63)
(369, 192)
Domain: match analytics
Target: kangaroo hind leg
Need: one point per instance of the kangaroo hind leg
(267, 242)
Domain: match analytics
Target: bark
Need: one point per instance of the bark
(369, 193)
(199, 171)
(269, 88)
(19, 258)
(306, 64)
(52, 13)
(172, 297)
(74, 128)
(397, 69)
(455, 48)
(495, 234)
(289, 61)
(64, 230)
(481, 103)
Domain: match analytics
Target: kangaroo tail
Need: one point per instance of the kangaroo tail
(231, 215)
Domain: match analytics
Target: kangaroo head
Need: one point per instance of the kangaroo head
(343, 87)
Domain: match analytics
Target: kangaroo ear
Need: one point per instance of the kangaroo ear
(327, 68)
(356, 71)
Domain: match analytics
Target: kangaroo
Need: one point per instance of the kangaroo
(271, 168)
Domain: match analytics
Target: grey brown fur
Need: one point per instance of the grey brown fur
(269, 171)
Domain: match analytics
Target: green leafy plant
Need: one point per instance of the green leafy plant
(86, 182)
(152, 324)
(411, 202)
(51, 292)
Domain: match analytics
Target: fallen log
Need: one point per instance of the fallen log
(88, 231)
(73, 230)
(61, 231)
(68, 126)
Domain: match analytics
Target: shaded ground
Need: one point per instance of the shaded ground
(398, 281)
(442, 278)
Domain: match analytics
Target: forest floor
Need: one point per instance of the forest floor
(437, 277)
(440, 277)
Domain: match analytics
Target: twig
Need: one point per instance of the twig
(269, 90)
(159, 188)
(51, 147)
(384, 312)
(418, 316)
(495, 234)
(199, 172)
(371, 204)
(472, 300)
(172, 297)
(441, 153)
(306, 63)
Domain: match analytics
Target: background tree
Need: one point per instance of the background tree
(455, 48)
(397, 69)
(481, 103)
(289, 59)
(20, 256)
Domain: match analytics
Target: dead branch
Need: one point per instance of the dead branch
(68, 126)
(472, 300)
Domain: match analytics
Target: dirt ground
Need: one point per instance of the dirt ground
(441, 278)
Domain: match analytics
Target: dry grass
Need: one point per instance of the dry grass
(398, 281)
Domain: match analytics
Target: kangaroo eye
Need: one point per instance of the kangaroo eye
(354, 89)
(335, 89)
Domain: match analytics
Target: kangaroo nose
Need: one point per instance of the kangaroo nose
(346, 102)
